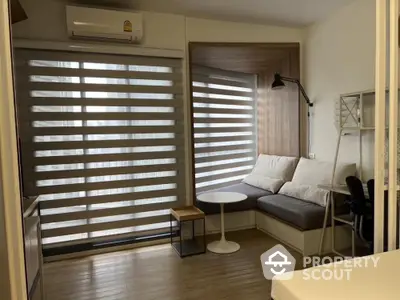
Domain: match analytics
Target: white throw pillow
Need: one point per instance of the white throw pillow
(271, 171)
(305, 192)
(311, 173)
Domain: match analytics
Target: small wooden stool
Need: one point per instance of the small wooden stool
(193, 245)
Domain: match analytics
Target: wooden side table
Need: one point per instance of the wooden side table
(190, 245)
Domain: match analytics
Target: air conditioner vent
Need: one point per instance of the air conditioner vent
(104, 25)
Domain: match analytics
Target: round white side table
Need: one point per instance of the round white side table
(222, 246)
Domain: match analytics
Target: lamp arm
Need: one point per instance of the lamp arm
(303, 92)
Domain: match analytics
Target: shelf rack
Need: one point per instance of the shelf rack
(353, 112)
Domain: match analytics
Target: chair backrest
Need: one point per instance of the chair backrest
(371, 189)
(358, 201)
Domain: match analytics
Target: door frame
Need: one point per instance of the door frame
(12, 277)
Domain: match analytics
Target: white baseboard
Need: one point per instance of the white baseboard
(305, 242)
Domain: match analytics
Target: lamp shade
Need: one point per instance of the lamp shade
(278, 83)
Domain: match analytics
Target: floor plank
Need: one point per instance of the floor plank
(158, 273)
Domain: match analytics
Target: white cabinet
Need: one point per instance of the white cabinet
(32, 251)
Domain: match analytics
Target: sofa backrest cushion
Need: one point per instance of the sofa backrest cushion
(271, 172)
(311, 173)
(314, 172)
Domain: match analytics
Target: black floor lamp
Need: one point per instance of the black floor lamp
(279, 84)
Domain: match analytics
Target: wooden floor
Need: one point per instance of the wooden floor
(158, 273)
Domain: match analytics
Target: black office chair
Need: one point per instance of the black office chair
(369, 226)
(361, 209)
(371, 189)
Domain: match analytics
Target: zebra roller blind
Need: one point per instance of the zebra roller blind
(224, 124)
(101, 140)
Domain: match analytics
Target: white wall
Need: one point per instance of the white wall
(47, 21)
(164, 31)
(340, 58)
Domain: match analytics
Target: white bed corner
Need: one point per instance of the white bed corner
(381, 282)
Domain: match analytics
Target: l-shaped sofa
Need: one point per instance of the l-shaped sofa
(283, 194)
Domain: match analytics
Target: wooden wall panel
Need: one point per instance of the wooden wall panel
(280, 113)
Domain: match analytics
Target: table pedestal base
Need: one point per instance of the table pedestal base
(223, 247)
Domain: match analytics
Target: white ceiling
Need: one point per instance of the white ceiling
(279, 12)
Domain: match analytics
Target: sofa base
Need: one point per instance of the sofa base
(305, 242)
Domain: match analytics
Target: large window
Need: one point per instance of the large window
(224, 126)
(102, 142)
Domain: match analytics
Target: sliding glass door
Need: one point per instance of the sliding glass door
(102, 143)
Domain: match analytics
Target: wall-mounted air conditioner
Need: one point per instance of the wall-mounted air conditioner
(101, 24)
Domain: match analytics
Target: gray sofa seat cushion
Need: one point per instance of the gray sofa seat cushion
(301, 214)
(251, 192)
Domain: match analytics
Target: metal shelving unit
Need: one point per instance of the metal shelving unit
(354, 112)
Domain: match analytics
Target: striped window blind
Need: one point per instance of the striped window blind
(224, 106)
(101, 140)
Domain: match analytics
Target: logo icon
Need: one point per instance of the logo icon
(278, 261)
(127, 26)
